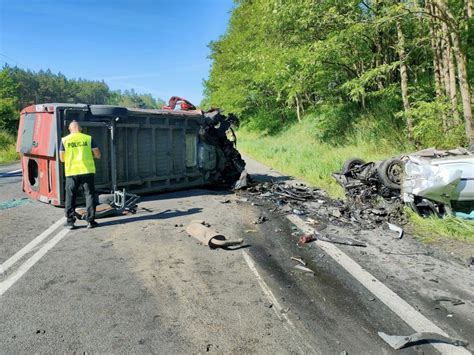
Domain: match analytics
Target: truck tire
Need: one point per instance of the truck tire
(351, 164)
(107, 110)
(391, 173)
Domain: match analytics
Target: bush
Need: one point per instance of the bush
(428, 128)
(9, 116)
(7, 147)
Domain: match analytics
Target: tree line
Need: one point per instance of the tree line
(20, 88)
(403, 66)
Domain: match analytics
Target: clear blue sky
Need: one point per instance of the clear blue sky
(153, 46)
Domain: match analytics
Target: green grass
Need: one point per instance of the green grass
(433, 229)
(297, 152)
(7, 148)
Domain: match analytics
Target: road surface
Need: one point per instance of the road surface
(140, 284)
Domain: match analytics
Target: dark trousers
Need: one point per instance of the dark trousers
(72, 187)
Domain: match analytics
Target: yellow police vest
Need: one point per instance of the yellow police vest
(78, 158)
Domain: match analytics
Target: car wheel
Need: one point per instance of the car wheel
(391, 172)
(351, 164)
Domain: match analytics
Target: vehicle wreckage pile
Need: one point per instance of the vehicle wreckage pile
(431, 182)
(320, 209)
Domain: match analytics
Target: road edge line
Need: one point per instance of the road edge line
(393, 301)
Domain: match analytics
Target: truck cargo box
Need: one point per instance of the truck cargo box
(143, 151)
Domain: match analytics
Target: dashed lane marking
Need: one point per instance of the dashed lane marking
(28, 264)
(28, 247)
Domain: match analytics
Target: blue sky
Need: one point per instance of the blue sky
(157, 47)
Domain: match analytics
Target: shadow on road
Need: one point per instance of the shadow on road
(160, 215)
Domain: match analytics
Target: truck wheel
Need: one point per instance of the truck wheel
(351, 164)
(391, 172)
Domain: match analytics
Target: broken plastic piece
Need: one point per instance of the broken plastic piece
(397, 229)
(400, 341)
(209, 237)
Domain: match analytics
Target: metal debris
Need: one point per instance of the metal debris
(341, 240)
(397, 229)
(304, 268)
(299, 259)
(209, 237)
(397, 342)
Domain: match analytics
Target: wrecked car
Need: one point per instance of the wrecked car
(143, 151)
(429, 181)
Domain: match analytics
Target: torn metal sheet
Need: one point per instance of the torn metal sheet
(209, 237)
(399, 341)
(438, 183)
(397, 229)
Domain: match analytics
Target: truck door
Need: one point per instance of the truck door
(37, 147)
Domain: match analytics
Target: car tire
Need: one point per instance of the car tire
(391, 173)
(351, 164)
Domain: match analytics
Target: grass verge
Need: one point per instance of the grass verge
(433, 229)
(7, 148)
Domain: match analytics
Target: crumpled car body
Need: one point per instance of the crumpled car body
(439, 185)
(429, 181)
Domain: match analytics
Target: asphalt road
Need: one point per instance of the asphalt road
(140, 284)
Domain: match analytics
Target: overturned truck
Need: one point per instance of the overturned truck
(143, 151)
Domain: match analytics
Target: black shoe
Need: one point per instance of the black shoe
(92, 224)
(70, 226)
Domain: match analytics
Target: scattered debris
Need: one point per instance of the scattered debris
(452, 300)
(260, 220)
(305, 239)
(299, 259)
(298, 212)
(201, 221)
(242, 182)
(304, 268)
(341, 240)
(397, 342)
(209, 237)
(397, 229)
(121, 203)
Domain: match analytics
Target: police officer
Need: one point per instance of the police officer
(77, 152)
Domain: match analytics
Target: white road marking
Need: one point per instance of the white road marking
(28, 247)
(393, 301)
(28, 264)
(266, 290)
(10, 172)
(277, 308)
